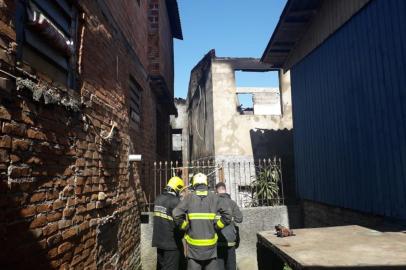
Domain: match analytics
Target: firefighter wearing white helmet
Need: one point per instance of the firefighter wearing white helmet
(166, 236)
(196, 215)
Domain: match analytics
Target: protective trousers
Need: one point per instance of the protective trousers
(226, 258)
(202, 265)
(167, 259)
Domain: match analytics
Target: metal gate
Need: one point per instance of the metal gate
(241, 178)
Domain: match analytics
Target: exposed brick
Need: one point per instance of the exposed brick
(54, 240)
(28, 211)
(36, 134)
(38, 197)
(27, 119)
(55, 263)
(90, 206)
(52, 195)
(50, 229)
(14, 129)
(68, 212)
(42, 208)
(58, 204)
(38, 221)
(55, 216)
(20, 145)
(4, 155)
(35, 161)
(67, 257)
(5, 141)
(80, 162)
(56, 161)
(4, 113)
(52, 253)
(89, 243)
(62, 224)
(18, 171)
(76, 259)
(14, 158)
(42, 244)
(36, 233)
(93, 222)
(64, 247)
(84, 226)
(71, 232)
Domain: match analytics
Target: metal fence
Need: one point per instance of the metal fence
(250, 184)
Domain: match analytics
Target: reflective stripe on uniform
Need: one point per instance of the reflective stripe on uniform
(201, 193)
(184, 225)
(228, 244)
(209, 216)
(162, 215)
(201, 242)
(220, 224)
(218, 217)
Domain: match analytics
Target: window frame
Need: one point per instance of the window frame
(135, 98)
(36, 50)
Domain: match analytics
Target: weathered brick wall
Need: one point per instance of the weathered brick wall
(166, 47)
(132, 19)
(68, 197)
(160, 48)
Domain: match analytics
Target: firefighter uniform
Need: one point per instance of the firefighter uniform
(196, 215)
(166, 236)
(228, 237)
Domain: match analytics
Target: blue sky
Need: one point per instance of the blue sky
(234, 28)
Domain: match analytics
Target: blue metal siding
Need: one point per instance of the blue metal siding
(349, 107)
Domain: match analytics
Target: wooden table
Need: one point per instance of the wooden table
(344, 247)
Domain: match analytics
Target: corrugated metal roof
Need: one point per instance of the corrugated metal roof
(293, 22)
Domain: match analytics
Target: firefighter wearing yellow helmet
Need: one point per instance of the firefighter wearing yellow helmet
(166, 237)
(196, 215)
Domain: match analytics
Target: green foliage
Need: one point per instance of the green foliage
(287, 267)
(266, 186)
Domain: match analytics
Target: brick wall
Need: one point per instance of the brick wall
(68, 195)
(160, 49)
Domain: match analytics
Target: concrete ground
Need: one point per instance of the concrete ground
(342, 247)
(256, 219)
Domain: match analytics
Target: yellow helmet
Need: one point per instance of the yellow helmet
(199, 179)
(176, 183)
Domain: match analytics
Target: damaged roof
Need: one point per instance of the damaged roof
(174, 18)
(292, 24)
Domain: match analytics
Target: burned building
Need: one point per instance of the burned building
(179, 125)
(83, 84)
(221, 130)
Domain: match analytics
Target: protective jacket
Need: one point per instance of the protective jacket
(166, 235)
(228, 235)
(196, 215)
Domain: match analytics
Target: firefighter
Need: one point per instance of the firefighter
(228, 237)
(196, 215)
(166, 237)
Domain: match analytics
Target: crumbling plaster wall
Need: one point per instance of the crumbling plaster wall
(201, 111)
(231, 130)
(181, 122)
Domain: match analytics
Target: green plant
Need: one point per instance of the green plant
(287, 267)
(265, 187)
